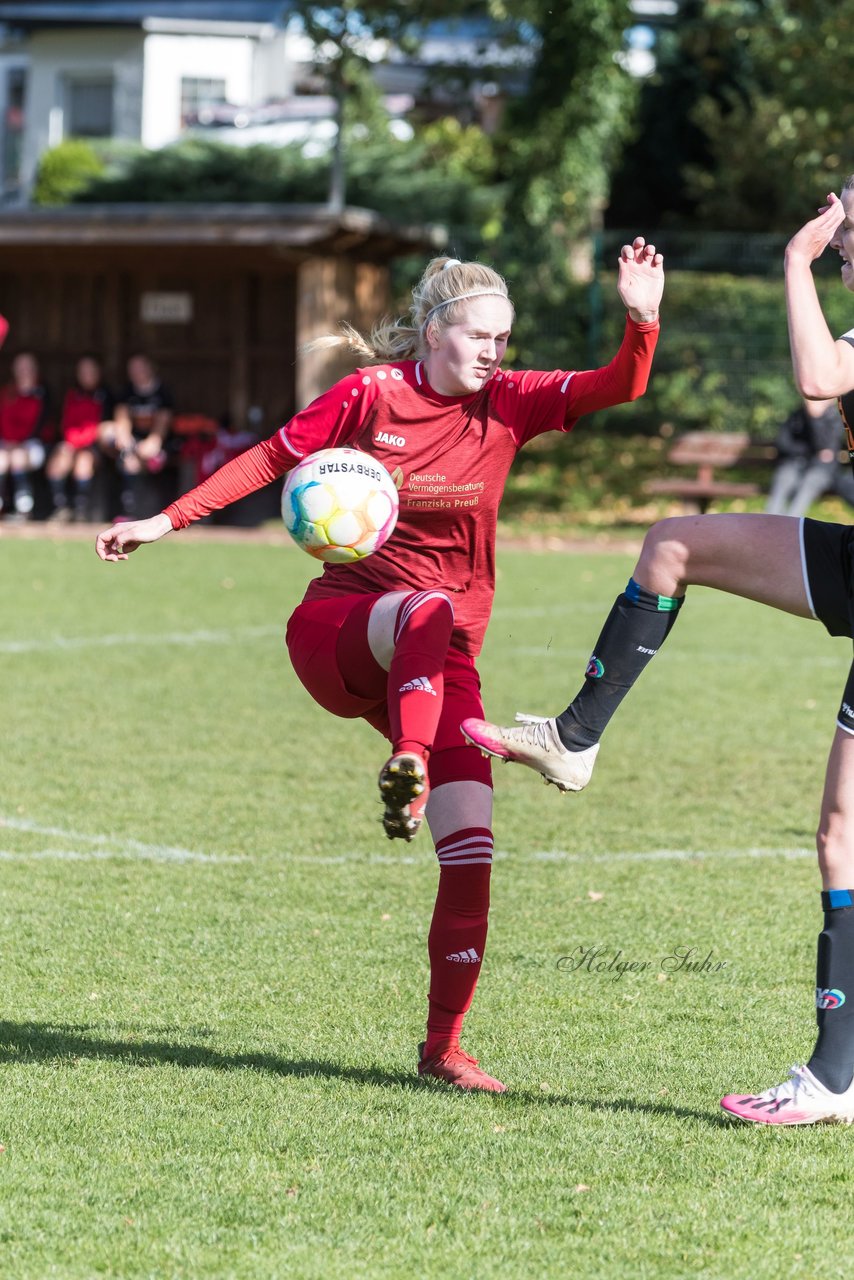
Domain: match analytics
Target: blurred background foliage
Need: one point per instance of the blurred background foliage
(718, 156)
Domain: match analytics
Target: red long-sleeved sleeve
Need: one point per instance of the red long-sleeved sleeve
(250, 471)
(555, 400)
(624, 379)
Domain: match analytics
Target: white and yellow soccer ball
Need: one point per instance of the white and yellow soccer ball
(339, 505)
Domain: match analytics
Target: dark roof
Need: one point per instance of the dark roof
(133, 12)
(309, 228)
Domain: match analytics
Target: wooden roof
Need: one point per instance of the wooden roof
(302, 228)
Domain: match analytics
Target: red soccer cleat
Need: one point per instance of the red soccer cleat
(404, 789)
(456, 1067)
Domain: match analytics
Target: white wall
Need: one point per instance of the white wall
(56, 54)
(275, 68)
(170, 57)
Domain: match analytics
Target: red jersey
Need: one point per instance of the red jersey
(450, 456)
(24, 417)
(82, 414)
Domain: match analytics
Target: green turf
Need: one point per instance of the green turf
(214, 962)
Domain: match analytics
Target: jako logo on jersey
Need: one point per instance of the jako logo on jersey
(383, 437)
(595, 669)
(829, 997)
(420, 684)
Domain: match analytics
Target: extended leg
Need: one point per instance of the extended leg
(759, 557)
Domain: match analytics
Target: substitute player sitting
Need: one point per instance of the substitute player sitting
(25, 431)
(139, 435)
(804, 567)
(85, 407)
(393, 638)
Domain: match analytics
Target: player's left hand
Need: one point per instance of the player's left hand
(640, 279)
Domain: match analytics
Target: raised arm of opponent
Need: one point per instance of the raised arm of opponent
(823, 365)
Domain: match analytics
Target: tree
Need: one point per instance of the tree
(559, 144)
(778, 148)
(747, 119)
(350, 37)
(563, 135)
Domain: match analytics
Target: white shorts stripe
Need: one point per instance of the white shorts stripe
(847, 727)
(415, 602)
(804, 569)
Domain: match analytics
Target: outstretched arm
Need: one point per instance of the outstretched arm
(252, 470)
(823, 367)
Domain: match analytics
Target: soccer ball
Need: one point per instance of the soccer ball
(339, 505)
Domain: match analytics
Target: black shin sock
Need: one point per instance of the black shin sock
(832, 1061)
(82, 490)
(59, 492)
(636, 627)
(23, 492)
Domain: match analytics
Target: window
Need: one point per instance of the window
(89, 108)
(13, 128)
(197, 94)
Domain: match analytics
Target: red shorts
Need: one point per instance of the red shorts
(81, 437)
(314, 631)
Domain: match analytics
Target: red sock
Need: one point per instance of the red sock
(458, 933)
(415, 678)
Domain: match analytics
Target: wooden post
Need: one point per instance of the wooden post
(320, 304)
(238, 382)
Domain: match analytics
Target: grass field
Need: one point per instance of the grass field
(214, 963)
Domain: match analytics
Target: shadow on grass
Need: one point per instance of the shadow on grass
(23, 1042)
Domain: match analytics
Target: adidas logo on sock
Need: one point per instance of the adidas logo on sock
(419, 684)
(465, 957)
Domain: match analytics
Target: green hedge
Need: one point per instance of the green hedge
(723, 360)
(722, 364)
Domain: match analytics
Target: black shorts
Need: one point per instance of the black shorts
(827, 551)
(828, 554)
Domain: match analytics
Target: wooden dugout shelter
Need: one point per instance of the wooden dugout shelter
(222, 297)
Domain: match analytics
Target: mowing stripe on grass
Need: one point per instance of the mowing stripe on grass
(103, 847)
(560, 855)
(231, 635)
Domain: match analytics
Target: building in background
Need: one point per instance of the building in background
(146, 71)
(223, 297)
(132, 70)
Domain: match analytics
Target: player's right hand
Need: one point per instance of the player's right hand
(117, 542)
(813, 238)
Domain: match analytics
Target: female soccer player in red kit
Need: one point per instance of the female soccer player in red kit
(394, 638)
